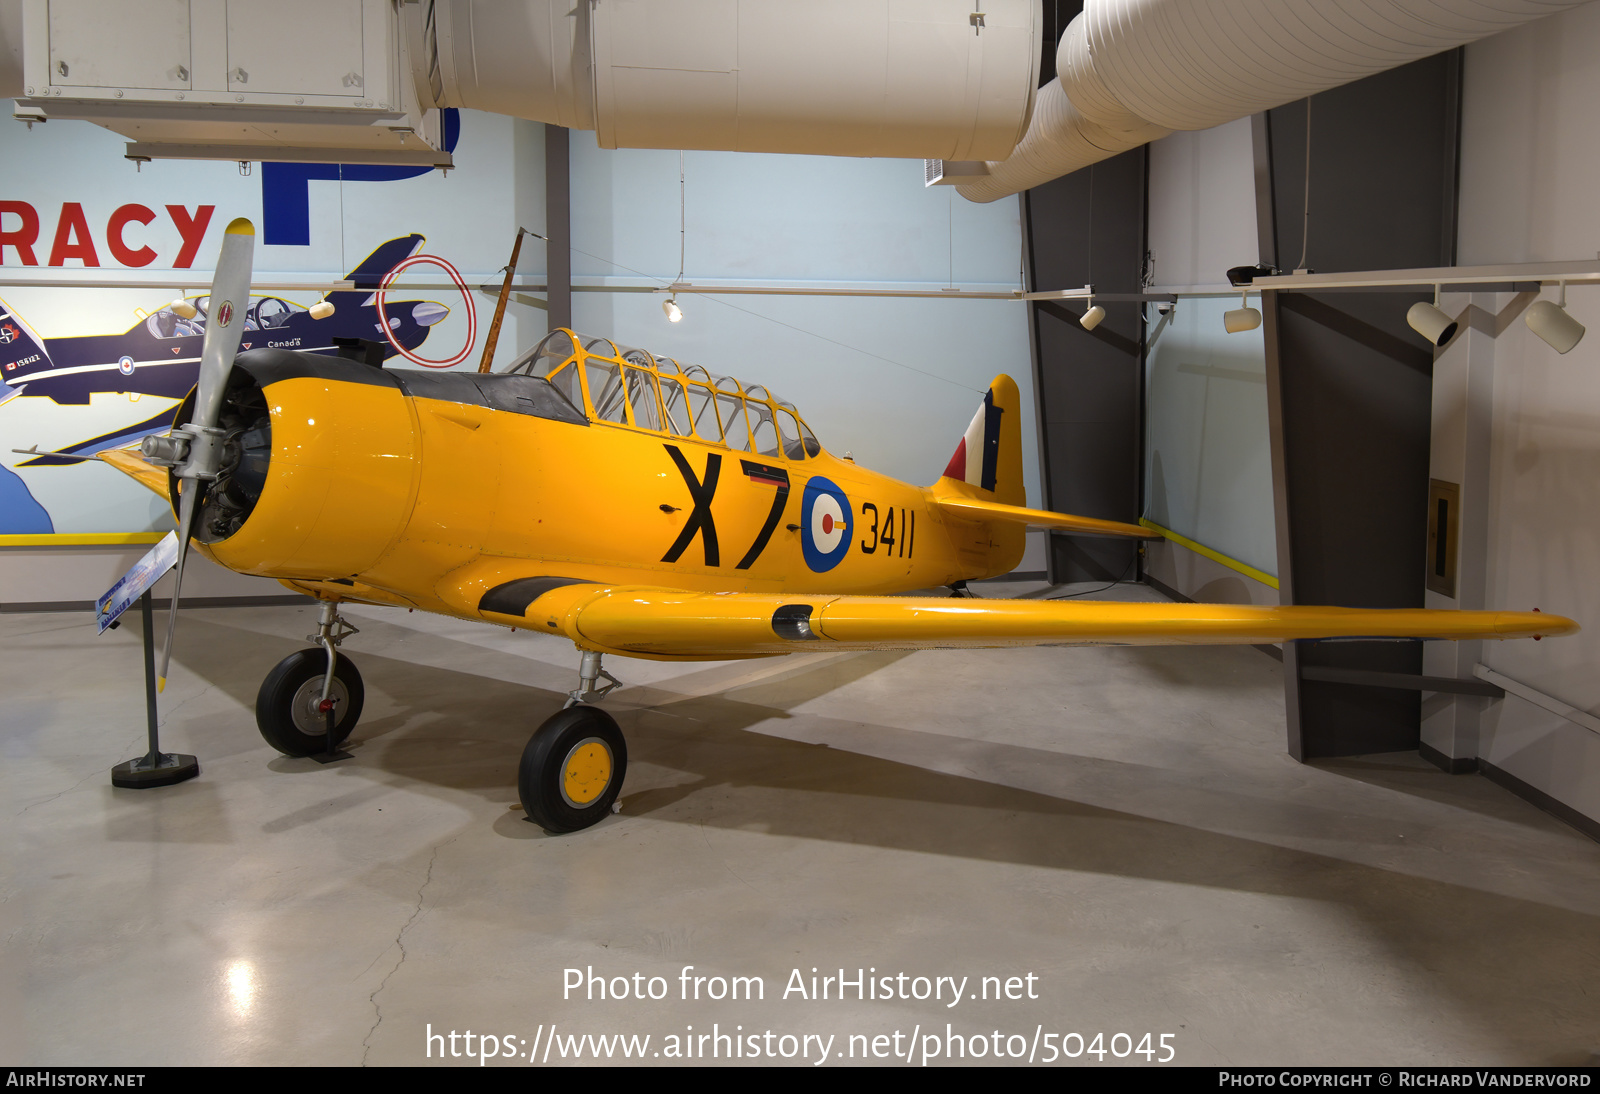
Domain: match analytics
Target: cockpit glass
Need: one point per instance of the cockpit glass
(167, 323)
(789, 435)
(763, 432)
(665, 395)
(735, 431)
(270, 313)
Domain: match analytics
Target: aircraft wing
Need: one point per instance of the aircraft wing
(669, 624)
(132, 464)
(978, 509)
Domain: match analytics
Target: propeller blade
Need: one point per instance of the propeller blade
(226, 308)
(230, 299)
(186, 508)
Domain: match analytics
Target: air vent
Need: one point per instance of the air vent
(949, 172)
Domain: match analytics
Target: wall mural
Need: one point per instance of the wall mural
(86, 369)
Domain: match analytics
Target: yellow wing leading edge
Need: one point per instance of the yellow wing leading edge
(664, 623)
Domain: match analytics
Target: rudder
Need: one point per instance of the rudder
(987, 465)
(989, 454)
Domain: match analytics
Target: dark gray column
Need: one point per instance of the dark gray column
(558, 224)
(1089, 229)
(1350, 384)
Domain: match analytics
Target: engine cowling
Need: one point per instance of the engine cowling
(319, 467)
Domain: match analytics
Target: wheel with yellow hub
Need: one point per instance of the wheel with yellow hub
(572, 769)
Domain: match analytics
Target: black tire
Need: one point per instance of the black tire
(559, 803)
(286, 704)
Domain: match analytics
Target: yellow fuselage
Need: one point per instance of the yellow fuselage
(374, 494)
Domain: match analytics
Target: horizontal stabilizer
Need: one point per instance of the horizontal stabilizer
(978, 509)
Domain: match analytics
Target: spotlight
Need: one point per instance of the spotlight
(321, 309)
(1091, 318)
(1552, 323)
(1431, 322)
(674, 313)
(183, 308)
(1242, 318)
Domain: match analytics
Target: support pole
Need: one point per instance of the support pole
(155, 768)
(558, 225)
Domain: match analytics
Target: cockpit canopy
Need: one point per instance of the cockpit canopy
(263, 313)
(635, 387)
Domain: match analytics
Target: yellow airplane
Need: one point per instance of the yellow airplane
(635, 506)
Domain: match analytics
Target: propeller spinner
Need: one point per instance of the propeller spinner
(194, 449)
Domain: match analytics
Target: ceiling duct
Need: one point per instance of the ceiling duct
(1132, 71)
(826, 77)
(363, 81)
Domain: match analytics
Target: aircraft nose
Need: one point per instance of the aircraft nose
(427, 313)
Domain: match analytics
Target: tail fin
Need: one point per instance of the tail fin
(369, 274)
(22, 352)
(989, 454)
(987, 467)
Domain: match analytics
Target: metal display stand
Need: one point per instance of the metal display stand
(155, 768)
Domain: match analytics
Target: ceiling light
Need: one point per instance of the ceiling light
(321, 309)
(1554, 324)
(183, 308)
(674, 313)
(1091, 318)
(1430, 321)
(1242, 318)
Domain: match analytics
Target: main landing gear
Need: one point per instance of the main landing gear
(573, 767)
(311, 701)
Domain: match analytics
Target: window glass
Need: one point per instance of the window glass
(764, 434)
(605, 389)
(674, 407)
(546, 357)
(270, 312)
(735, 430)
(167, 323)
(642, 394)
(789, 435)
(703, 412)
(808, 441)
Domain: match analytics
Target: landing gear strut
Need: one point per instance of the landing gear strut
(589, 673)
(311, 701)
(573, 766)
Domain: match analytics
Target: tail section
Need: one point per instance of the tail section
(989, 455)
(22, 352)
(370, 273)
(987, 467)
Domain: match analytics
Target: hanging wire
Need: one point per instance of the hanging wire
(682, 215)
(1090, 592)
(1305, 224)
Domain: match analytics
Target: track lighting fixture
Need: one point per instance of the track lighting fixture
(1091, 318)
(1431, 322)
(1242, 318)
(1554, 324)
(674, 313)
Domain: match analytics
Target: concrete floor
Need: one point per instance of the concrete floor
(1122, 824)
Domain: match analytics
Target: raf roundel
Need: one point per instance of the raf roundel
(825, 524)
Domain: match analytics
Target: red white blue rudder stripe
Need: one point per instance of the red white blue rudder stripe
(977, 458)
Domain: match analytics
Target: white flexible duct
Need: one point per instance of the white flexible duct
(891, 78)
(1133, 70)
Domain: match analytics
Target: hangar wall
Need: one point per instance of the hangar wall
(1519, 426)
(892, 381)
(1207, 465)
